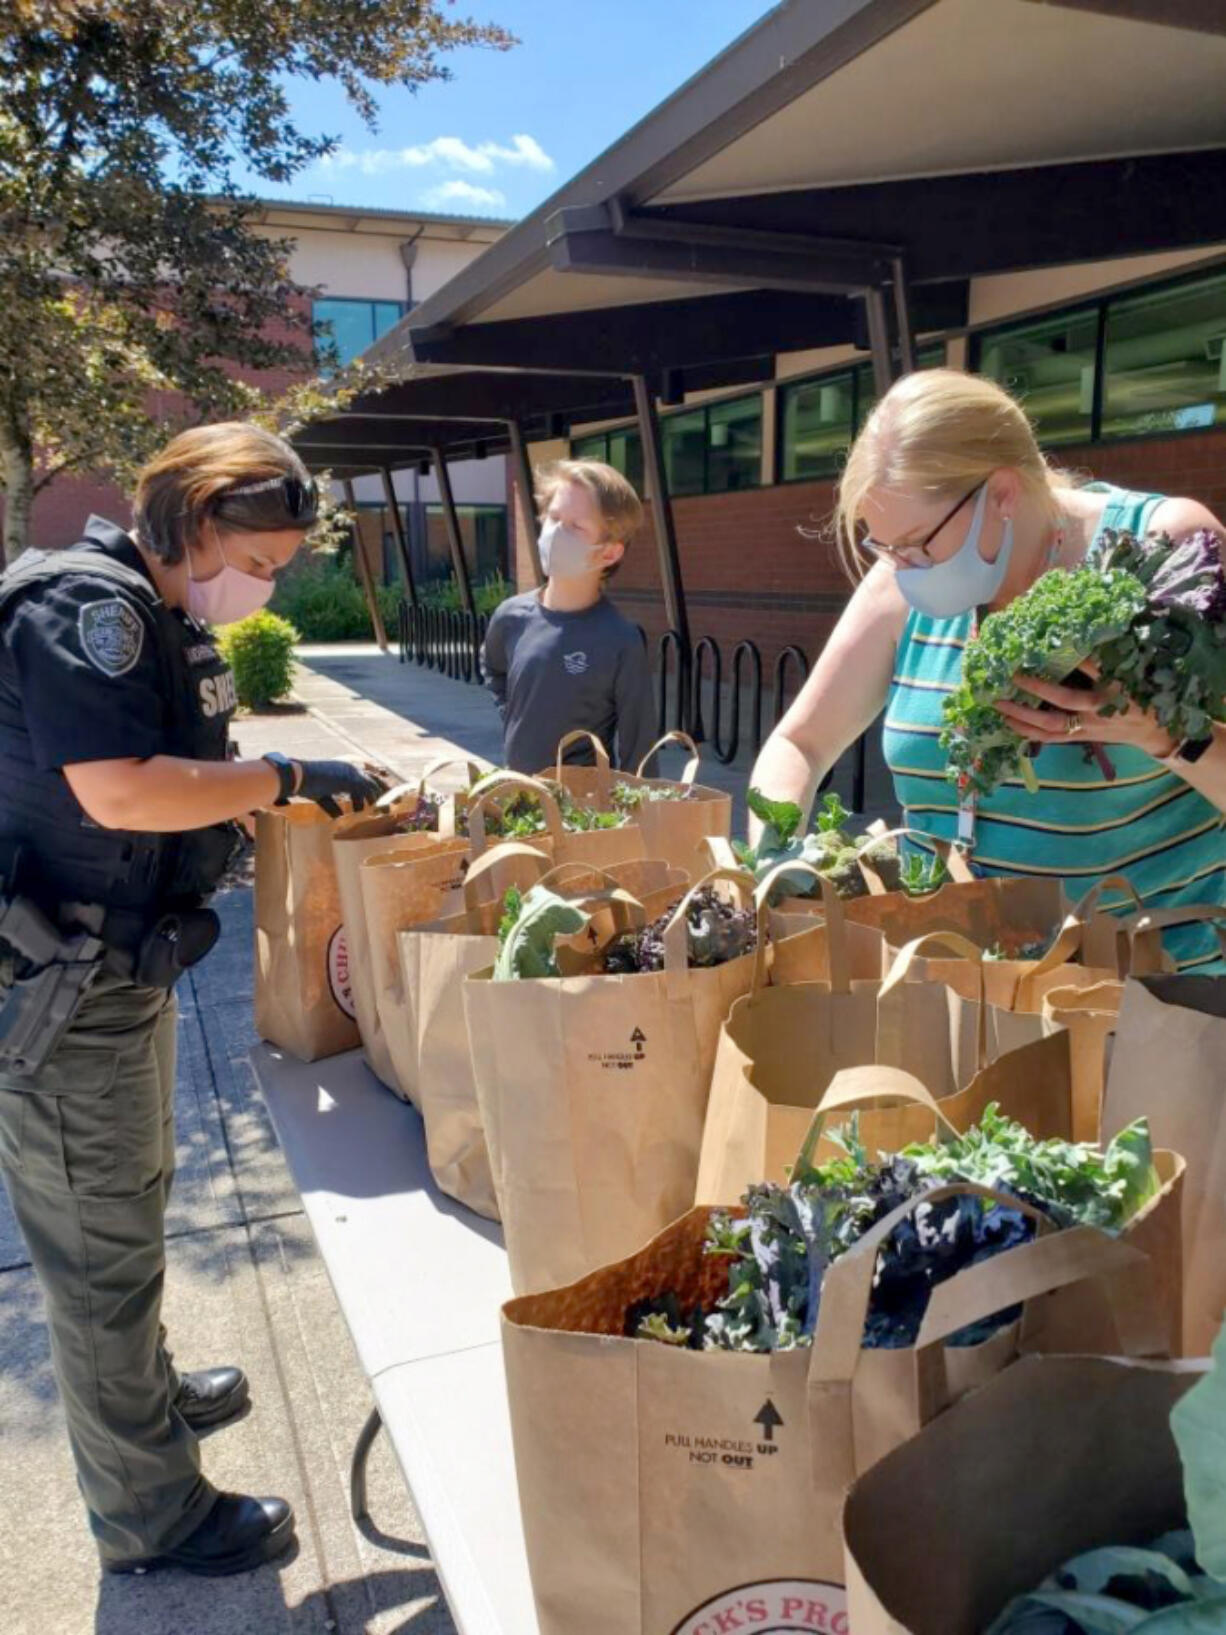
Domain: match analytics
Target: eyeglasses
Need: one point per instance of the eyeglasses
(299, 499)
(909, 554)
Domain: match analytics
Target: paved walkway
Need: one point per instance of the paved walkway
(244, 1282)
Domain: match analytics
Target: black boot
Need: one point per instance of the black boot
(210, 1396)
(238, 1534)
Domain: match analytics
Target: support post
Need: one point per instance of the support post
(879, 339)
(398, 534)
(454, 537)
(521, 470)
(662, 519)
(362, 568)
(902, 317)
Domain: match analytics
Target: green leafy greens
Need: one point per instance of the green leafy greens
(778, 1252)
(833, 849)
(531, 926)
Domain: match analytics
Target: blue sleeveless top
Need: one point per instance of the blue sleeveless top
(1147, 823)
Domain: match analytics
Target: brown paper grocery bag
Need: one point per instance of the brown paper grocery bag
(678, 830)
(355, 838)
(665, 1489)
(1168, 1064)
(593, 1091)
(937, 1543)
(781, 1046)
(435, 959)
(598, 847)
(431, 1050)
(303, 1001)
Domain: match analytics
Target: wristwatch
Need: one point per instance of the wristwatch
(1191, 749)
(287, 772)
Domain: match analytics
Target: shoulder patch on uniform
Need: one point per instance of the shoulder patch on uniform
(112, 636)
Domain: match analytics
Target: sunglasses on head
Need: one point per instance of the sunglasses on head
(299, 499)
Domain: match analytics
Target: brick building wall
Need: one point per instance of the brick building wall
(749, 572)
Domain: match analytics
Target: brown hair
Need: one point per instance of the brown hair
(620, 508)
(192, 479)
(939, 432)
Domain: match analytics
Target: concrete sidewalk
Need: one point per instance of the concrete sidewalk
(244, 1281)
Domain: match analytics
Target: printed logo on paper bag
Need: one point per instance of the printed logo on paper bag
(623, 1059)
(780, 1606)
(338, 973)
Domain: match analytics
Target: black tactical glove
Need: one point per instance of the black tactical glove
(322, 781)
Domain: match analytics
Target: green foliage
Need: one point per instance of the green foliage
(260, 651)
(1199, 1424)
(527, 948)
(321, 596)
(778, 1253)
(1062, 620)
(833, 850)
(512, 907)
(488, 593)
(133, 278)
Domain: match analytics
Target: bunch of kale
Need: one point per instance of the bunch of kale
(532, 922)
(1151, 615)
(628, 798)
(716, 932)
(523, 816)
(833, 849)
(779, 1250)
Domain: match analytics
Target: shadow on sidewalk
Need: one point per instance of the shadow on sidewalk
(254, 1603)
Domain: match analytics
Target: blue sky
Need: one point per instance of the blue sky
(511, 127)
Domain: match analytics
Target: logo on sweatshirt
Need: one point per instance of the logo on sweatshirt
(575, 663)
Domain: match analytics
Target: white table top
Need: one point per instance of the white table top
(420, 1281)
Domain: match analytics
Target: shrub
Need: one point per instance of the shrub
(260, 651)
(487, 593)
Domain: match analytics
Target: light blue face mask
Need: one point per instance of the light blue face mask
(964, 581)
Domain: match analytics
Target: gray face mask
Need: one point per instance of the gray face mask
(565, 554)
(964, 581)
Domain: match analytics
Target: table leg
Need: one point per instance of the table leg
(357, 1469)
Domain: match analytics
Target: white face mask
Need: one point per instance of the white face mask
(227, 596)
(964, 580)
(565, 554)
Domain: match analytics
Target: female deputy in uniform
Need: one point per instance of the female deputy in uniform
(116, 801)
(945, 491)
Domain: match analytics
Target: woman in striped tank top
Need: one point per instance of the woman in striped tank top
(945, 491)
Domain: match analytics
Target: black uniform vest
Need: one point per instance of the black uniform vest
(66, 856)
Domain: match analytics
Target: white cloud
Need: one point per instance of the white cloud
(451, 194)
(447, 152)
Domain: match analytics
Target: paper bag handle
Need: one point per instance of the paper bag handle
(1144, 933)
(675, 938)
(889, 1018)
(690, 771)
(488, 861)
(494, 785)
(720, 852)
(838, 959)
(952, 856)
(855, 1087)
(578, 736)
(1088, 904)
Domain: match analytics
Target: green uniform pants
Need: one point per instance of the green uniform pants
(87, 1149)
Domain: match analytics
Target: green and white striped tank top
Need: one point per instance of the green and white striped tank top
(1146, 823)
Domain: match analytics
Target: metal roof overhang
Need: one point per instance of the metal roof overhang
(741, 218)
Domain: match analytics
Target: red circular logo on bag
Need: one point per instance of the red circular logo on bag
(779, 1606)
(338, 972)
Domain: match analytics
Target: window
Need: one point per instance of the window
(1049, 366)
(683, 439)
(623, 450)
(352, 326)
(818, 418)
(1164, 360)
(734, 445)
(483, 529)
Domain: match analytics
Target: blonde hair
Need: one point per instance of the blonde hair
(192, 478)
(621, 510)
(938, 433)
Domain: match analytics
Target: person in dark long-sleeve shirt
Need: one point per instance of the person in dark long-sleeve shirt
(563, 657)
